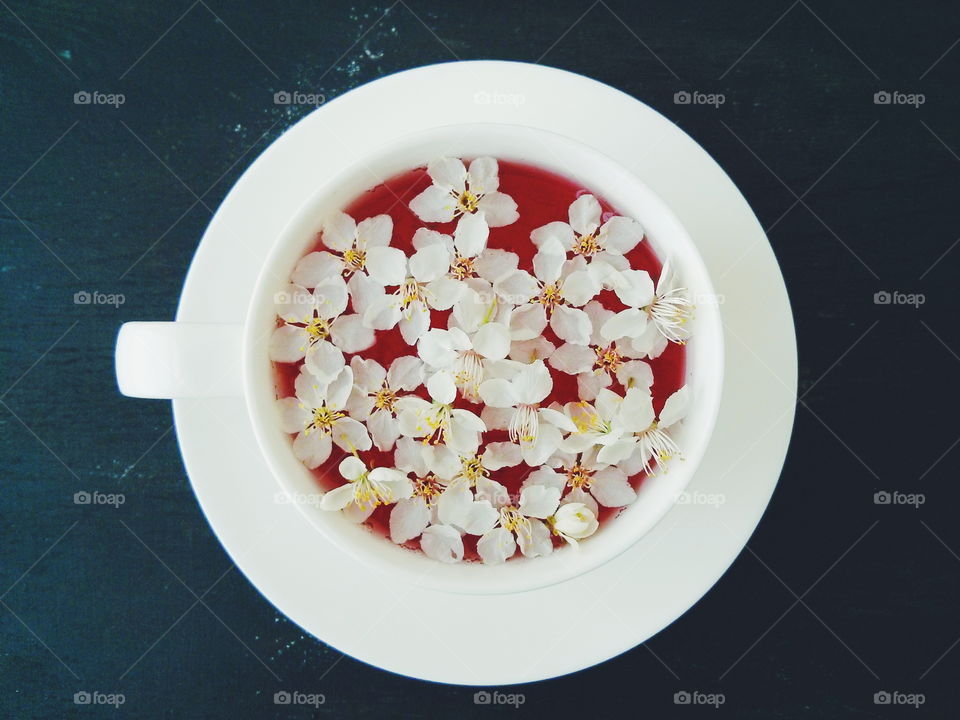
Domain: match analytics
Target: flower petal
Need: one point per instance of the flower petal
(538, 452)
(338, 498)
(351, 467)
(532, 384)
(288, 343)
(349, 333)
(408, 519)
(634, 288)
(528, 322)
(293, 416)
(331, 297)
(324, 360)
(483, 175)
(493, 263)
(316, 267)
(350, 435)
(295, 304)
(406, 373)
(548, 262)
(620, 235)
(375, 231)
(500, 455)
(312, 449)
(429, 263)
(339, 232)
(498, 209)
(384, 429)
(626, 323)
(364, 291)
(492, 341)
(559, 231)
(387, 265)
(498, 393)
(585, 214)
(368, 375)
(610, 488)
(580, 287)
(470, 235)
(539, 501)
(415, 323)
(573, 359)
(535, 541)
(496, 546)
(448, 173)
(636, 411)
(517, 287)
(434, 204)
(444, 292)
(526, 351)
(590, 383)
(635, 373)
(442, 543)
(675, 407)
(442, 387)
(571, 325)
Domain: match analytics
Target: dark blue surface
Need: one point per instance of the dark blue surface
(838, 598)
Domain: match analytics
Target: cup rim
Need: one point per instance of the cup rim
(520, 574)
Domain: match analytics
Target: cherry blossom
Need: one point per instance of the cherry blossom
(366, 489)
(376, 391)
(458, 191)
(350, 241)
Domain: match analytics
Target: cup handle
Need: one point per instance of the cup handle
(171, 360)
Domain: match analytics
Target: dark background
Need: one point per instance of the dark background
(838, 597)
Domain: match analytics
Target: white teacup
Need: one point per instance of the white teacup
(179, 360)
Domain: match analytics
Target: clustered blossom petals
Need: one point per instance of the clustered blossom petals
(489, 342)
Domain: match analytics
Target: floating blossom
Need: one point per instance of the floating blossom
(596, 364)
(517, 523)
(647, 442)
(594, 424)
(376, 391)
(457, 191)
(410, 517)
(463, 356)
(366, 489)
(587, 481)
(585, 236)
(573, 522)
(350, 242)
(556, 291)
(666, 307)
(436, 420)
(421, 283)
(317, 414)
(307, 317)
(523, 394)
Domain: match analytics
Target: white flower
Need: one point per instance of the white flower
(307, 317)
(557, 289)
(410, 517)
(350, 242)
(585, 236)
(666, 307)
(457, 191)
(464, 356)
(590, 482)
(595, 424)
(422, 282)
(519, 524)
(574, 521)
(523, 393)
(317, 415)
(366, 489)
(596, 364)
(376, 391)
(646, 441)
(437, 421)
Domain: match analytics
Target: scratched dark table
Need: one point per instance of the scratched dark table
(838, 123)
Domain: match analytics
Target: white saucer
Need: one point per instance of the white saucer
(497, 640)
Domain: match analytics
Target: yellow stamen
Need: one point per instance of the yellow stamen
(462, 267)
(384, 399)
(586, 245)
(579, 477)
(355, 259)
(467, 202)
(607, 358)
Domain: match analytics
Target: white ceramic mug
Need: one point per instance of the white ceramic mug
(179, 360)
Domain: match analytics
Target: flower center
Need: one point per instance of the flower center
(384, 398)
(437, 421)
(608, 358)
(467, 202)
(586, 245)
(656, 447)
(579, 477)
(324, 418)
(367, 492)
(462, 267)
(589, 420)
(355, 259)
(427, 487)
(525, 424)
(410, 292)
(469, 374)
(472, 469)
(511, 518)
(671, 312)
(317, 329)
(549, 297)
